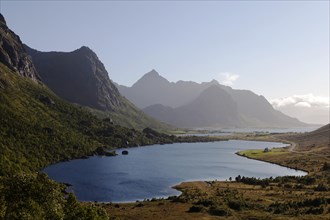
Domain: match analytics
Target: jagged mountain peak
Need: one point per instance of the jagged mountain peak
(151, 74)
(213, 88)
(214, 81)
(152, 77)
(13, 54)
(2, 19)
(85, 50)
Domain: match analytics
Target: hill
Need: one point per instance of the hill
(317, 141)
(80, 77)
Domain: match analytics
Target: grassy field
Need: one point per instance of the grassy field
(279, 198)
(259, 154)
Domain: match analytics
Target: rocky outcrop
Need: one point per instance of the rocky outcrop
(13, 54)
(124, 152)
(102, 151)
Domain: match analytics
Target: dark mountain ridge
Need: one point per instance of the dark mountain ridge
(77, 76)
(80, 77)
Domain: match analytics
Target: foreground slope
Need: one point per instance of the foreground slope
(80, 77)
(31, 136)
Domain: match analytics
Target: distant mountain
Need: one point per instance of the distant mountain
(258, 112)
(80, 77)
(190, 104)
(163, 91)
(214, 107)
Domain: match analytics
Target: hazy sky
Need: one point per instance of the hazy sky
(274, 48)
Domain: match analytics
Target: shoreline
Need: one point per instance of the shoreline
(92, 153)
(267, 161)
(180, 190)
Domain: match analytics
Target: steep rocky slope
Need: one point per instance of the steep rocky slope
(13, 54)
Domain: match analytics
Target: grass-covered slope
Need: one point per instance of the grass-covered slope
(37, 128)
(128, 115)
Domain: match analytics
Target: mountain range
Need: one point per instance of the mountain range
(198, 105)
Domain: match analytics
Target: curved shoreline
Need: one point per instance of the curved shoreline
(174, 186)
(267, 161)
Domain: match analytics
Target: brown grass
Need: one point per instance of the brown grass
(310, 152)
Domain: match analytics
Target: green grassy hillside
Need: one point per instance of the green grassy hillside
(38, 128)
(128, 115)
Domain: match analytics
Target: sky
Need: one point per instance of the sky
(279, 49)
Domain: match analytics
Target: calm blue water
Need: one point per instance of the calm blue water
(150, 171)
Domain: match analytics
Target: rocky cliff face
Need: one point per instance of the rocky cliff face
(13, 54)
(77, 76)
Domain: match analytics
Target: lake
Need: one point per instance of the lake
(151, 171)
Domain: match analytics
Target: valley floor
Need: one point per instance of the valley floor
(305, 197)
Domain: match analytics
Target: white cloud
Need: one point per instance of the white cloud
(307, 101)
(303, 104)
(227, 78)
